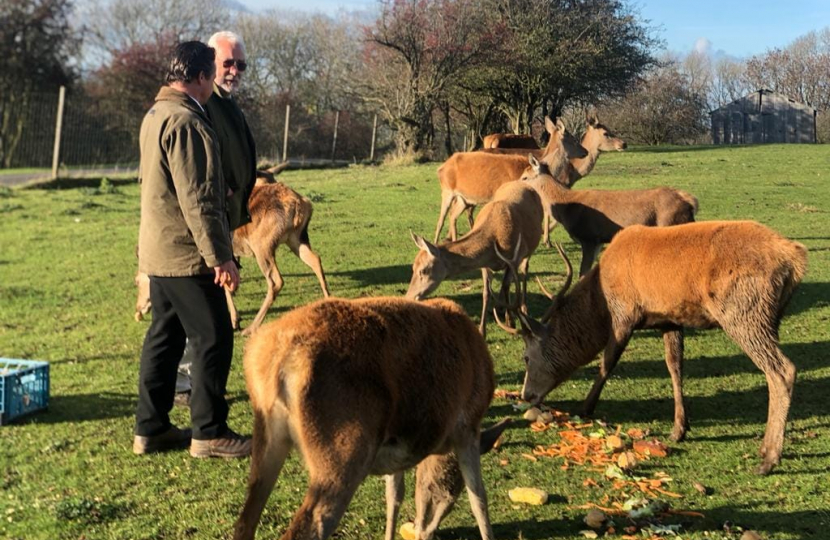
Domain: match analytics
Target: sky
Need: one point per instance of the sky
(735, 28)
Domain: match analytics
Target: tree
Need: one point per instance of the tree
(559, 51)
(412, 53)
(663, 108)
(37, 44)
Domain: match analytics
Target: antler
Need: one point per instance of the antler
(555, 300)
(512, 307)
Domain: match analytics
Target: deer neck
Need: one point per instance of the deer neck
(470, 252)
(551, 191)
(583, 166)
(579, 329)
(557, 162)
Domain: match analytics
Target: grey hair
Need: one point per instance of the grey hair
(228, 36)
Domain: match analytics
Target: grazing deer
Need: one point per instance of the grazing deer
(279, 215)
(365, 386)
(592, 217)
(512, 221)
(736, 275)
(472, 178)
(509, 140)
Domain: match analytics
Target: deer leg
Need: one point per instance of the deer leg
(335, 473)
(485, 301)
(673, 345)
(271, 445)
(447, 199)
(589, 251)
(435, 492)
(459, 205)
(469, 459)
(232, 309)
(268, 266)
(613, 350)
(759, 341)
(301, 247)
(394, 497)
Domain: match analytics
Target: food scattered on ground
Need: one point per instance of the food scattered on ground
(532, 496)
(595, 518)
(407, 531)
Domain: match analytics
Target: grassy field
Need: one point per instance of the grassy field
(66, 295)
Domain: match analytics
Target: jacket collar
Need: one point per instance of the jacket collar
(221, 92)
(169, 94)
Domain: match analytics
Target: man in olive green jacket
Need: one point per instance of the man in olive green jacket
(237, 150)
(185, 248)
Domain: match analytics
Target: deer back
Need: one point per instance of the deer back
(692, 274)
(413, 370)
(276, 211)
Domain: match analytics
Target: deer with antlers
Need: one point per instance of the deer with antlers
(738, 276)
(367, 386)
(469, 179)
(592, 217)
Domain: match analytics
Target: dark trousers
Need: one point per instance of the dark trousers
(192, 308)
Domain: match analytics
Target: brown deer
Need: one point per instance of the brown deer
(509, 140)
(469, 179)
(279, 215)
(596, 139)
(736, 275)
(512, 221)
(592, 217)
(365, 386)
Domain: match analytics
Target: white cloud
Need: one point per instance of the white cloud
(703, 45)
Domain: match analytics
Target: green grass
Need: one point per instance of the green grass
(67, 259)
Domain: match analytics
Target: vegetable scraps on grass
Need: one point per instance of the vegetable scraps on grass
(615, 455)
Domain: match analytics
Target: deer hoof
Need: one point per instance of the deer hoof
(138, 316)
(678, 434)
(765, 468)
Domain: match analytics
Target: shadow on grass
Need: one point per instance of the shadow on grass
(84, 407)
(77, 183)
(529, 529)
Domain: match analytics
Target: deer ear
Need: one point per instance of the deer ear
(592, 118)
(560, 125)
(424, 245)
(530, 327)
(489, 436)
(550, 127)
(533, 163)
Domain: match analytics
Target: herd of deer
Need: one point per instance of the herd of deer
(380, 385)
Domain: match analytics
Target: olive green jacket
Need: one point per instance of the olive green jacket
(238, 153)
(184, 226)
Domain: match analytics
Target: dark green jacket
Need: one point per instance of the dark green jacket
(184, 226)
(238, 153)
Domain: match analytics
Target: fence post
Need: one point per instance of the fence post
(285, 136)
(374, 135)
(56, 150)
(334, 140)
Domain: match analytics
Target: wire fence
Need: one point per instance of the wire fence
(95, 136)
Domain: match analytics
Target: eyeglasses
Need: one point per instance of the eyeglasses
(241, 65)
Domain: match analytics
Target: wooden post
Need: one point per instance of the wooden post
(56, 150)
(285, 136)
(334, 140)
(374, 135)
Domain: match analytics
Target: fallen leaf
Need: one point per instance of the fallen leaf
(700, 487)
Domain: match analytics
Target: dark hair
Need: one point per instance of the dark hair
(189, 60)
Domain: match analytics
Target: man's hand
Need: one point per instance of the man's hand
(227, 275)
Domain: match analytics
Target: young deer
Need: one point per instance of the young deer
(592, 217)
(738, 276)
(365, 386)
(512, 221)
(469, 179)
(279, 215)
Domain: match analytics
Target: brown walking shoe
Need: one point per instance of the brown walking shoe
(229, 445)
(172, 439)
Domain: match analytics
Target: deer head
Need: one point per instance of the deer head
(545, 369)
(428, 271)
(598, 136)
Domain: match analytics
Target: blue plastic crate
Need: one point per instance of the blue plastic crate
(24, 388)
